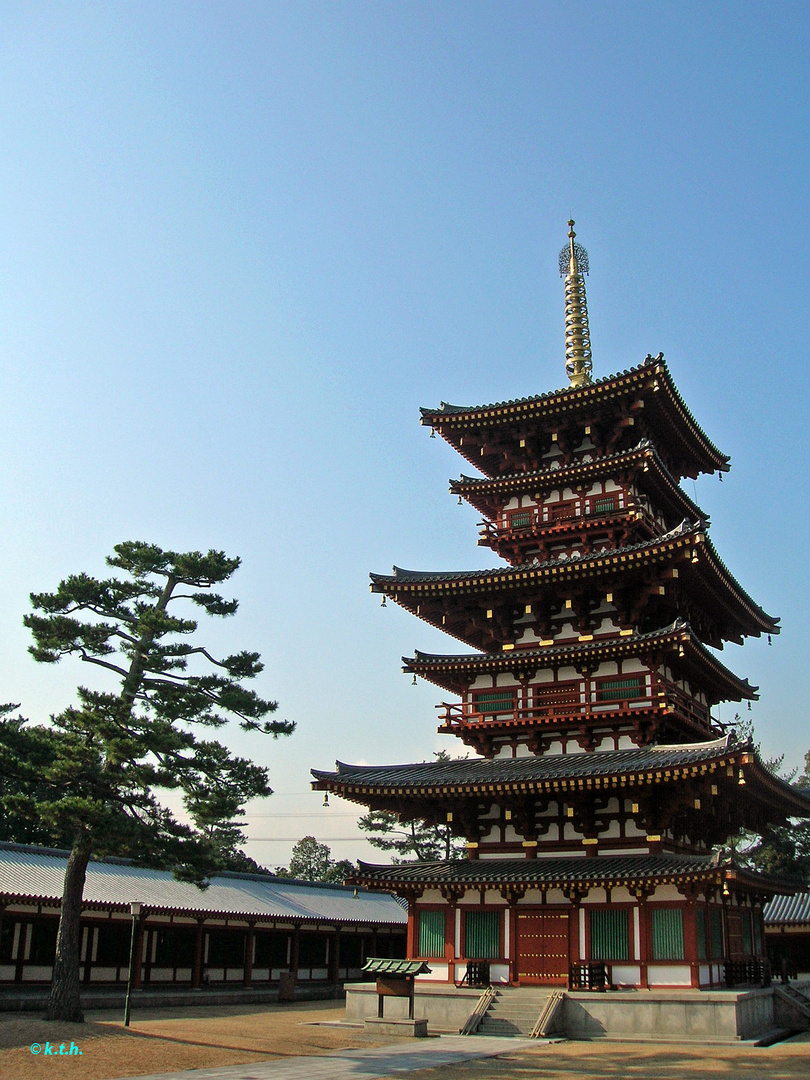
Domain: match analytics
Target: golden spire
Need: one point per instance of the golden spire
(573, 263)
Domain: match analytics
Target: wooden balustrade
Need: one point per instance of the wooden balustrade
(560, 704)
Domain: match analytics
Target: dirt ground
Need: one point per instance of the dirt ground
(164, 1040)
(635, 1061)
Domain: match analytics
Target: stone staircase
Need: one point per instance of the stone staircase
(514, 1011)
(798, 1000)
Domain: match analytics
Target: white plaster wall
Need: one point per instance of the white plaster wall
(544, 676)
(667, 892)
(625, 974)
(668, 975)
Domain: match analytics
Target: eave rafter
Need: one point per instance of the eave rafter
(722, 768)
(643, 397)
(641, 466)
(640, 874)
(680, 574)
(676, 646)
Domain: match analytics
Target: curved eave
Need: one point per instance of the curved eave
(736, 765)
(650, 379)
(404, 581)
(754, 615)
(698, 564)
(609, 871)
(453, 672)
(488, 494)
(538, 775)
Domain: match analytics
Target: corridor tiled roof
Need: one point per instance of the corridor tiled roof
(32, 873)
(793, 910)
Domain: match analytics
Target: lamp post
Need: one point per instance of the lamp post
(135, 910)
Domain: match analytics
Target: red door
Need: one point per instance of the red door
(542, 947)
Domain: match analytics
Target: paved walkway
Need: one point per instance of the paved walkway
(359, 1064)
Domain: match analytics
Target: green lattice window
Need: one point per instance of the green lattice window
(431, 933)
(482, 935)
(667, 933)
(610, 934)
(700, 930)
(521, 520)
(620, 689)
(716, 932)
(494, 701)
(605, 505)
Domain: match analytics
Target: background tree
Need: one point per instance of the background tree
(781, 851)
(311, 861)
(90, 777)
(412, 841)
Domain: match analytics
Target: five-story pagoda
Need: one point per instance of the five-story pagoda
(601, 786)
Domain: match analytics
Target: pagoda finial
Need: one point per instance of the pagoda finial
(573, 264)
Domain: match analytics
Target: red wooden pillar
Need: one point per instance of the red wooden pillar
(450, 940)
(644, 938)
(690, 941)
(413, 940)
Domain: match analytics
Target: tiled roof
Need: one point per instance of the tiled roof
(463, 772)
(38, 873)
(756, 619)
(572, 397)
(607, 870)
(377, 965)
(677, 632)
(642, 454)
(789, 909)
(403, 576)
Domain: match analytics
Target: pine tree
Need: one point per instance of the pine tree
(90, 776)
(311, 861)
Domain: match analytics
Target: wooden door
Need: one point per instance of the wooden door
(542, 947)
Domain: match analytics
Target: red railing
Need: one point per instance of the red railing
(567, 705)
(491, 533)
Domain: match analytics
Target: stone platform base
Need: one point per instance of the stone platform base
(416, 1029)
(685, 1015)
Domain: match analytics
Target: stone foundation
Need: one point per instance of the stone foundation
(679, 1015)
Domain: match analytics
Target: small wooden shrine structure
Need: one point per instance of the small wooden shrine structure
(601, 789)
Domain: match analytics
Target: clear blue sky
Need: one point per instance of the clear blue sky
(242, 243)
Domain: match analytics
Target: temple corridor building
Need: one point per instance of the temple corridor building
(598, 789)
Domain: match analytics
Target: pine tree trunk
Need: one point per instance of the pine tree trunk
(64, 1001)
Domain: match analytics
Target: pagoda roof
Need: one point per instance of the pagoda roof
(427, 593)
(550, 774)
(488, 493)
(605, 871)
(453, 672)
(650, 382)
